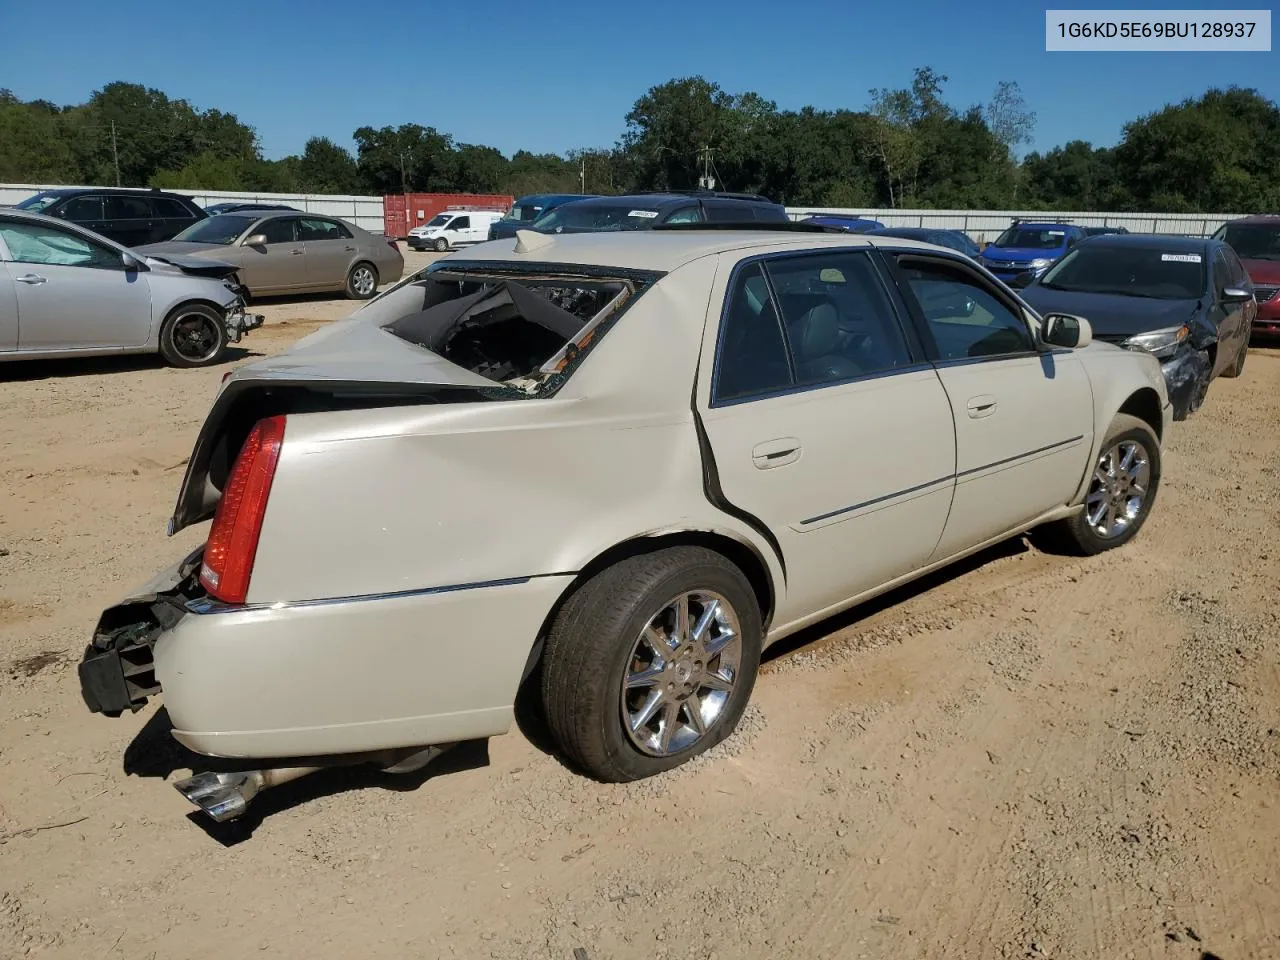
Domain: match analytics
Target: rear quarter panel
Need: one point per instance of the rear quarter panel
(374, 501)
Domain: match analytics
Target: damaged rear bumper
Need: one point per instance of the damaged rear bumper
(117, 671)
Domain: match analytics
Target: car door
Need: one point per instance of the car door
(1234, 318)
(1023, 416)
(8, 305)
(279, 265)
(129, 220)
(330, 251)
(72, 292)
(458, 230)
(825, 422)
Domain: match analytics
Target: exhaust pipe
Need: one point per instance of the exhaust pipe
(225, 796)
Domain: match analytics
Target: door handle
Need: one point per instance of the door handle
(775, 453)
(981, 406)
(297, 253)
(32, 278)
(349, 249)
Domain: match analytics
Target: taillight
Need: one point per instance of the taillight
(233, 540)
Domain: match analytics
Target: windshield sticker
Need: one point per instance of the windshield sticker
(643, 214)
(1056, 233)
(1180, 257)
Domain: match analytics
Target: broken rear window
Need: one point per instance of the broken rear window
(527, 329)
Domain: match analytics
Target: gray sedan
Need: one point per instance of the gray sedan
(65, 291)
(289, 252)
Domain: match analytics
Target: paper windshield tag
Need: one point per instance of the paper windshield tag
(643, 214)
(1056, 233)
(1180, 257)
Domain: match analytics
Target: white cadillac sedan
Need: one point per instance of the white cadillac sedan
(618, 465)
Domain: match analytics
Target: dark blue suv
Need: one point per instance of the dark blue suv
(528, 209)
(1028, 246)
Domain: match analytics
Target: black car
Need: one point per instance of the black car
(643, 211)
(214, 209)
(1186, 301)
(955, 239)
(129, 217)
(528, 209)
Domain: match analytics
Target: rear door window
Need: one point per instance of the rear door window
(753, 357)
(83, 209)
(127, 208)
(167, 208)
(315, 229)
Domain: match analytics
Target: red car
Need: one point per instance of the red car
(1256, 241)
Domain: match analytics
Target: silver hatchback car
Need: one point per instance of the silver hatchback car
(282, 251)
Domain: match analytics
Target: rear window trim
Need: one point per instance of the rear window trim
(550, 272)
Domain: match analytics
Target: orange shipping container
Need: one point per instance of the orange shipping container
(401, 212)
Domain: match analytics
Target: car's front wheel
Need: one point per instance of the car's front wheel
(651, 662)
(441, 245)
(1122, 489)
(193, 335)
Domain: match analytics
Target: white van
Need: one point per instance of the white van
(452, 229)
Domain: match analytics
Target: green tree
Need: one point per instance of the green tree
(409, 157)
(325, 167)
(1217, 153)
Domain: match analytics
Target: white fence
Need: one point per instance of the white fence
(985, 225)
(982, 225)
(364, 212)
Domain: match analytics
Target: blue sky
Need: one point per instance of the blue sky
(552, 76)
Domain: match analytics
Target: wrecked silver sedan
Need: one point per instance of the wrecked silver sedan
(65, 291)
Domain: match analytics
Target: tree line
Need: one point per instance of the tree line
(910, 148)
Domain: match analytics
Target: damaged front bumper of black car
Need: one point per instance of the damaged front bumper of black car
(1186, 376)
(1185, 361)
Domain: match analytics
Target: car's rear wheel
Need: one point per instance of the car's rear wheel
(362, 281)
(1237, 367)
(1122, 489)
(651, 662)
(441, 245)
(193, 335)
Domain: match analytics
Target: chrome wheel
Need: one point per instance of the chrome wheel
(195, 337)
(1118, 492)
(681, 673)
(363, 281)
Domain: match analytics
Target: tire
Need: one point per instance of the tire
(362, 281)
(441, 245)
(602, 633)
(193, 335)
(1237, 368)
(1077, 534)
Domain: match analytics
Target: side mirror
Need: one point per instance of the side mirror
(257, 240)
(132, 262)
(1023, 279)
(1236, 294)
(1066, 330)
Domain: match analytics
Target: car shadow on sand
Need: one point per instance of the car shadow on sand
(29, 370)
(154, 753)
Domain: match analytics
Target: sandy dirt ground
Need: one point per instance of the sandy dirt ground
(1029, 756)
